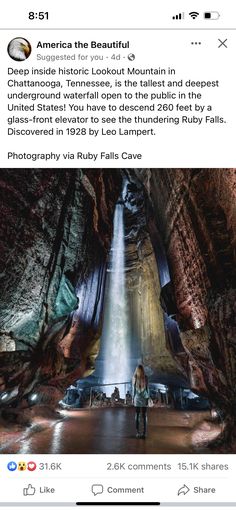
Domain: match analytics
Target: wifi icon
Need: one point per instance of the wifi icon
(194, 14)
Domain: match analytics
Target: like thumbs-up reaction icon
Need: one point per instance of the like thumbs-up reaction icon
(29, 491)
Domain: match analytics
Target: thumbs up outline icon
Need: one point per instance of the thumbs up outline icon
(29, 491)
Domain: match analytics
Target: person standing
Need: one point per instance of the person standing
(140, 399)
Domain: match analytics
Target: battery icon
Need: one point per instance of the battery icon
(211, 15)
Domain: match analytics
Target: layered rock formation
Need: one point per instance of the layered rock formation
(56, 227)
(149, 337)
(195, 210)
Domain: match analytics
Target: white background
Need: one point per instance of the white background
(195, 147)
(80, 472)
(173, 146)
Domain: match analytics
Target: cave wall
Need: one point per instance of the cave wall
(148, 332)
(195, 210)
(148, 329)
(55, 233)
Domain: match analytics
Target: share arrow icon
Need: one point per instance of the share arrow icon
(183, 490)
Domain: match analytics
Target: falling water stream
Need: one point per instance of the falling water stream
(116, 336)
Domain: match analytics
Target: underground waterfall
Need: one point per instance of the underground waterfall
(115, 336)
(91, 286)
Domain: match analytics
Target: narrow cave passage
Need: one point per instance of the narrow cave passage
(133, 326)
(170, 259)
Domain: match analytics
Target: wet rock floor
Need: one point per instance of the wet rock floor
(109, 430)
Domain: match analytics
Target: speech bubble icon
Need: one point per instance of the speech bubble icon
(97, 489)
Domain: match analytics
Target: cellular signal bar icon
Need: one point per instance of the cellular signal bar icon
(179, 16)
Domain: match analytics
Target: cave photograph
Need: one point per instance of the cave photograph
(117, 311)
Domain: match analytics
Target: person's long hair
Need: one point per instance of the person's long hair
(139, 377)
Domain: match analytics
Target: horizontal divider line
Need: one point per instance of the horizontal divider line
(119, 29)
(110, 503)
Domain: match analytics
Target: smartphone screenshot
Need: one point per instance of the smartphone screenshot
(117, 254)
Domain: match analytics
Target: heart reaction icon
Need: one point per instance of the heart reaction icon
(31, 466)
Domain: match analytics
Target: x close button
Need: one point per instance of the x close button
(222, 43)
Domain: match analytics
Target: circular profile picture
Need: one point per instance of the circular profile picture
(19, 49)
